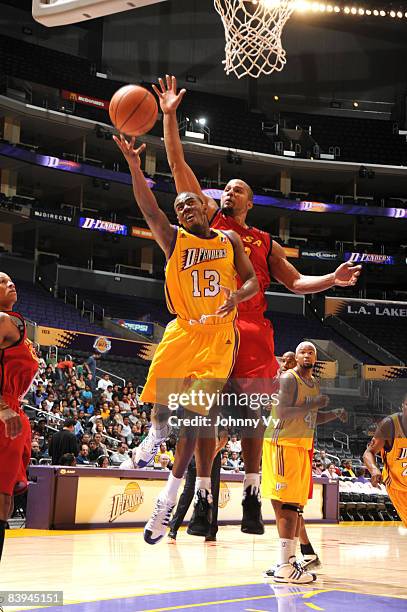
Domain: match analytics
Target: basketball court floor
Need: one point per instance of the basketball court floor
(364, 569)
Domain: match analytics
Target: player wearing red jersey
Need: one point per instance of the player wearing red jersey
(255, 358)
(19, 364)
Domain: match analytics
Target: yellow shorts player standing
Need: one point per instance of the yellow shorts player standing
(198, 348)
(390, 440)
(286, 464)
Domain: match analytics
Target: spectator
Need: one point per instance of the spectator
(361, 475)
(83, 457)
(317, 468)
(104, 382)
(235, 444)
(164, 463)
(126, 431)
(234, 462)
(87, 394)
(105, 411)
(86, 438)
(80, 383)
(326, 462)
(330, 472)
(63, 442)
(120, 455)
(163, 451)
(348, 471)
(64, 367)
(68, 459)
(99, 443)
(134, 417)
(108, 394)
(35, 450)
(224, 461)
(90, 366)
(103, 461)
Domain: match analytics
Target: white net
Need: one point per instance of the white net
(253, 30)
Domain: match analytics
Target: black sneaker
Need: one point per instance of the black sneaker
(172, 536)
(310, 562)
(252, 521)
(210, 538)
(201, 520)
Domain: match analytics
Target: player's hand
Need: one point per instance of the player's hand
(168, 97)
(229, 304)
(342, 415)
(321, 401)
(346, 275)
(131, 154)
(376, 478)
(12, 423)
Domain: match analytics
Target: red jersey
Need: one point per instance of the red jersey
(258, 245)
(18, 366)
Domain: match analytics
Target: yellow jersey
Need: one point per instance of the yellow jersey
(195, 272)
(395, 457)
(298, 432)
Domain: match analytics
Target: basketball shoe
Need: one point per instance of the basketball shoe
(290, 572)
(200, 523)
(157, 526)
(144, 454)
(252, 521)
(310, 562)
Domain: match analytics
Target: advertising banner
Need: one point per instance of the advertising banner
(120, 500)
(365, 308)
(52, 216)
(84, 99)
(380, 372)
(323, 255)
(140, 327)
(373, 258)
(103, 226)
(79, 341)
(141, 232)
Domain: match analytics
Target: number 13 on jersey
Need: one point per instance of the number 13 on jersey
(206, 281)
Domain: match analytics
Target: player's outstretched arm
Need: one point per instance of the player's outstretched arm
(185, 179)
(346, 275)
(157, 221)
(247, 274)
(382, 435)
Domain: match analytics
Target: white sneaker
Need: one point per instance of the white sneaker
(293, 573)
(157, 526)
(310, 562)
(144, 454)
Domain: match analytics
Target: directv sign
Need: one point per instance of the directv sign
(140, 327)
(373, 258)
(103, 226)
(327, 255)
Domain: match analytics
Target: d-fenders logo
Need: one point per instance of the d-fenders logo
(128, 501)
(102, 344)
(224, 495)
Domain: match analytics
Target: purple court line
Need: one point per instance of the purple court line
(330, 601)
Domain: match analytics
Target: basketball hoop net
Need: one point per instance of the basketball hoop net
(253, 30)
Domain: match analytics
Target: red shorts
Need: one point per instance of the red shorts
(14, 457)
(311, 484)
(255, 358)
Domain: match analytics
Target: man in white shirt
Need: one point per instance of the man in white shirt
(120, 455)
(104, 382)
(235, 444)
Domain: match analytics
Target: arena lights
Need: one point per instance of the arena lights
(304, 6)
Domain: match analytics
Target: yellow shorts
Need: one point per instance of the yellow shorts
(399, 499)
(198, 357)
(286, 473)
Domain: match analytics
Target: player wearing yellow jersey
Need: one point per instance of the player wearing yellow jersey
(198, 348)
(286, 464)
(390, 440)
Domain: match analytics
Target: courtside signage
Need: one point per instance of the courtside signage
(373, 258)
(103, 226)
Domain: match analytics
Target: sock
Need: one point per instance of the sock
(286, 550)
(171, 488)
(2, 532)
(203, 483)
(306, 549)
(253, 481)
(295, 546)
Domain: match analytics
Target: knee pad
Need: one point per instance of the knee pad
(293, 508)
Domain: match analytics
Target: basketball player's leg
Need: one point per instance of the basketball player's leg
(254, 373)
(399, 500)
(184, 501)
(283, 483)
(310, 557)
(201, 519)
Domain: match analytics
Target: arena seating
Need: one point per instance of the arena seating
(39, 306)
(231, 122)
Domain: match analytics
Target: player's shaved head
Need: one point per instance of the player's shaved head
(305, 345)
(185, 196)
(288, 361)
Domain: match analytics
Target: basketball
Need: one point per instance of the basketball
(133, 110)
